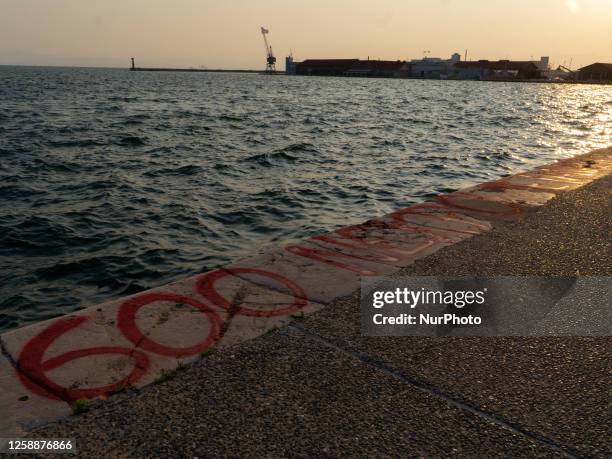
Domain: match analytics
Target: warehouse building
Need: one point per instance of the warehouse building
(497, 70)
(350, 67)
(597, 73)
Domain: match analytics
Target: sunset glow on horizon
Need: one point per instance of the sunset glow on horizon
(218, 34)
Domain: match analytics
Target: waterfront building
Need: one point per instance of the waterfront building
(352, 67)
(324, 67)
(598, 73)
(497, 70)
(386, 69)
(290, 68)
(543, 64)
(434, 67)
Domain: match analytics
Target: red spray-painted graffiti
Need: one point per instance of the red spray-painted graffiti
(328, 257)
(369, 247)
(206, 288)
(126, 322)
(364, 237)
(380, 249)
(502, 185)
(32, 367)
(509, 208)
(442, 213)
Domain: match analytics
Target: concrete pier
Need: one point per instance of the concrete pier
(168, 69)
(106, 351)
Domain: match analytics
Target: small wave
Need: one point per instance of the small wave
(55, 166)
(38, 236)
(123, 99)
(230, 118)
(18, 191)
(190, 169)
(129, 122)
(269, 158)
(131, 141)
(283, 155)
(82, 143)
(159, 150)
(91, 266)
(72, 129)
(113, 108)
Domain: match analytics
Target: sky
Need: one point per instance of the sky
(226, 33)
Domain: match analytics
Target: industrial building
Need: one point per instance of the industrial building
(423, 68)
(385, 69)
(348, 68)
(324, 67)
(497, 70)
(434, 67)
(453, 69)
(596, 73)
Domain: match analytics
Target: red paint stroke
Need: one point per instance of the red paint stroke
(504, 185)
(379, 255)
(327, 257)
(373, 243)
(32, 368)
(380, 249)
(357, 234)
(448, 216)
(537, 175)
(448, 200)
(206, 288)
(126, 322)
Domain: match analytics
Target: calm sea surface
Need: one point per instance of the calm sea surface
(112, 182)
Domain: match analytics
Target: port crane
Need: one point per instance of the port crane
(270, 59)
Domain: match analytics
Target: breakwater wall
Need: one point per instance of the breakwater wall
(162, 69)
(45, 368)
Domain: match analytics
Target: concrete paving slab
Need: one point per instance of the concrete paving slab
(171, 328)
(321, 275)
(472, 205)
(136, 340)
(496, 200)
(450, 223)
(21, 408)
(250, 309)
(75, 356)
(544, 181)
(575, 170)
(385, 246)
(545, 177)
(526, 198)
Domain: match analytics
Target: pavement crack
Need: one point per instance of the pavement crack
(431, 390)
(265, 286)
(234, 308)
(15, 364)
